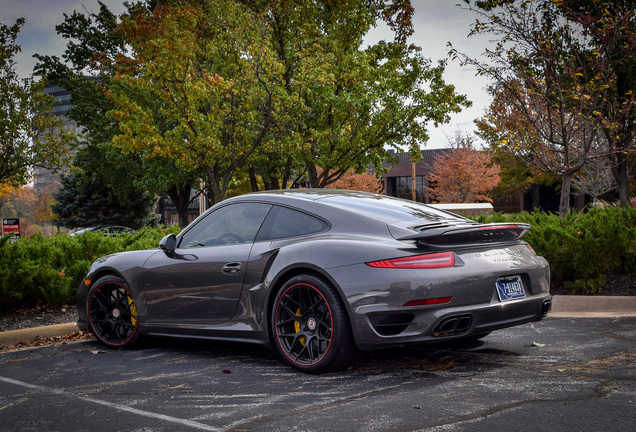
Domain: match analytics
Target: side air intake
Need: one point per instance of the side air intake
(391, 324)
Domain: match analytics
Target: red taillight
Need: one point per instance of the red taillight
(436, 260)
(531, 250)
(427, 302)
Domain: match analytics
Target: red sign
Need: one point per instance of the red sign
(11, 227)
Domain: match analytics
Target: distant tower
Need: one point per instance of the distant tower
(45, 182)
(44, 179)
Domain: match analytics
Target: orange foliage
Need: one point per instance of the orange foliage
(463, 175)
(10, 193)
(365, 182)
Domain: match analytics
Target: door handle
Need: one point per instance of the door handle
(232, 268)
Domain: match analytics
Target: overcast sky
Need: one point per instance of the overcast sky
(436, 23)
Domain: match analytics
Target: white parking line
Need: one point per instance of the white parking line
(189, 423)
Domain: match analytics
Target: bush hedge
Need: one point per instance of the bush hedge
(581, 249)
(48, 270)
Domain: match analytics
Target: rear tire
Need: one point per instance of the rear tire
(310, 326)
(111, 312)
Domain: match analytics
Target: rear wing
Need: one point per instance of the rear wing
(468, 235)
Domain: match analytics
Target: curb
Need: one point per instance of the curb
(571, 306)
(563, 306)
(13, 337)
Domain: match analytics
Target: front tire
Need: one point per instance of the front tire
(310, 325)
(111, 312)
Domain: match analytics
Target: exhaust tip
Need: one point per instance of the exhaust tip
(546, 306)
(453, 325)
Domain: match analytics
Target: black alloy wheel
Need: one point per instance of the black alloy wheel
(311, 327)
(112, 313)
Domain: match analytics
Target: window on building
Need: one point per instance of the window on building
(402, 188)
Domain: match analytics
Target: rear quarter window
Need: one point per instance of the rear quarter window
(284, 222)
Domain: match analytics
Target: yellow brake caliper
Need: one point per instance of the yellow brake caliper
(302, 339)
(133, 311)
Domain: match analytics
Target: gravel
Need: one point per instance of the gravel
(27, 318)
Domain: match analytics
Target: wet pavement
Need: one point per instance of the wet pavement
(561, 374)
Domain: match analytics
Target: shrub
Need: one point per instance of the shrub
(48, 270)
(581, 248)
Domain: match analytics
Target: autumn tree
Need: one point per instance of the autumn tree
(463, 174)
(208, 72)
(43, 201)
(545, 77)
(517, 176)
(278, 87)
(351, 180)
(86, 69)
(12, 193)
(595, 179)
(611, 29)
(30, 135)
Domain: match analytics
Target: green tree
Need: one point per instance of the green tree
(282, 88)
(93, 47)
(30, 135)
(350, 103)
(208, 72)
(90, 198)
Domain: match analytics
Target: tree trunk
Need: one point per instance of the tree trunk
(180, 197)
(253, 181)
(272, 184)
(216, 192)
(312, 175)
(566, 186)
(622, 179)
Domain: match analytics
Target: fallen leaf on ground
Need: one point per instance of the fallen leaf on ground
(42, 341)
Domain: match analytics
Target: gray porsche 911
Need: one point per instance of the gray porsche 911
(319, 275)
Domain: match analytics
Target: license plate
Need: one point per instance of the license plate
(510, 288)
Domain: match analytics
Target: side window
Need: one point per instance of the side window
(232, 224)
(284, 222)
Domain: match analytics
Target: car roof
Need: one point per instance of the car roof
(380, 208)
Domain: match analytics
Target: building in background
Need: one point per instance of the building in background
(43, 177)
(45, 181)
(398, 181)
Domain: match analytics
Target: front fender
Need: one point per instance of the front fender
(126, 265)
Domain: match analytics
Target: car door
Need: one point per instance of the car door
(201, 281)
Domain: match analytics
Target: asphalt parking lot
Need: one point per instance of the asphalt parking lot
(561, 374)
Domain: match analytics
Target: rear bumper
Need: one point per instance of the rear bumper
(432, 326)
(380, 300)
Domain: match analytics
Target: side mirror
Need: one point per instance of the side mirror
(168, 243)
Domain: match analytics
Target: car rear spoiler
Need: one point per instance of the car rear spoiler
(469, 234)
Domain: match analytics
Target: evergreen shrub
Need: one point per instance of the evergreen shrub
(581, 248)
(48, 270)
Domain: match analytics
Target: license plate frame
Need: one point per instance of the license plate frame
(510, 288)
